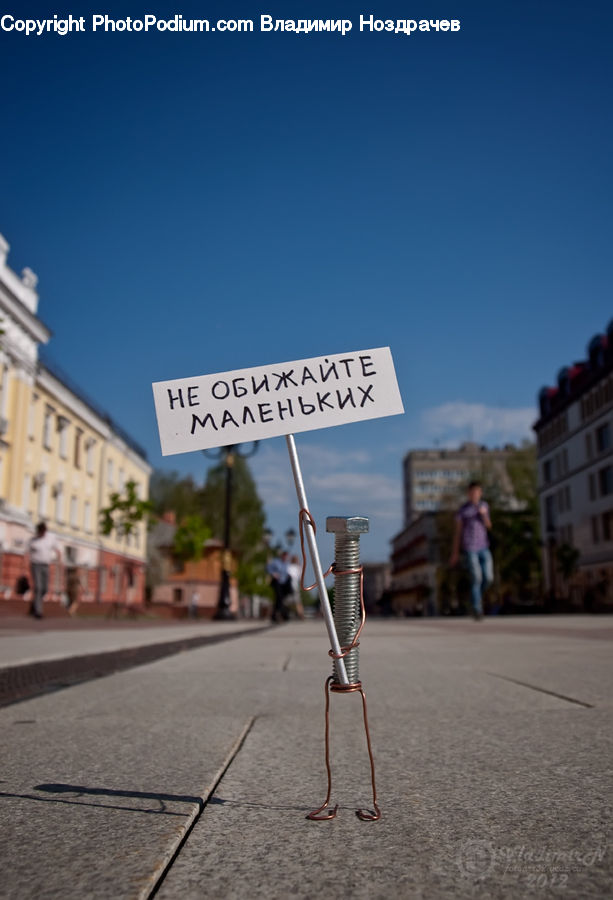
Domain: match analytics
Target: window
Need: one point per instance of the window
(565, 460)
(595, 530)
(561, 500)
(606, 525)
(89, 447)
(567, 499)
(109, 473)
(4, 377)
(59, 502)
(547, 471)
(550, 512)
(77, 447)
(47, 427)
(74, 512)
(42, 500)
(592, 486)
(32, 416)
(62, 427)
(603, 437)
(87, 516)
(605, 481)
(588, 445)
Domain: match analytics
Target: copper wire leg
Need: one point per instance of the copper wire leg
(361, 814)
(366, 816)
(315, 815)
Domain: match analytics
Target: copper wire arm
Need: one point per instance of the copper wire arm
(316, 816)
(302, 515)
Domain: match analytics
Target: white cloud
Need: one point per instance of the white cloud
(452, 423)
(345, 479)
(372, 492)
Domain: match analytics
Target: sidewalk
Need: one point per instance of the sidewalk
(51, 639)
(493, 763)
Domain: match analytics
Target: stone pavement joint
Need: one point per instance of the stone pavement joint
(534, 687)
(31, 679)
(157, 878)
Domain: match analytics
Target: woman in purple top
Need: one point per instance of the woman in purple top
(472, 523)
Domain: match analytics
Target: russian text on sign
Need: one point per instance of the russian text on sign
(269, 401)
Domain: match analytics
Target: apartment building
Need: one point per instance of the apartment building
(575, 478)
(61, 457)
(436, 479)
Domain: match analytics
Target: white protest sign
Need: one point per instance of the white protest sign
(269, 401)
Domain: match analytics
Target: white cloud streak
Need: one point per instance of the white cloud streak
(452, 423)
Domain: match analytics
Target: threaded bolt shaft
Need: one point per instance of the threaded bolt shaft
(347, 588)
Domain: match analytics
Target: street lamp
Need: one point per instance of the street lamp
(229, 452)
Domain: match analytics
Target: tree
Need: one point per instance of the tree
(190, 538)
(247, 521)
(124, 512)
(169, 491)
(516, 533)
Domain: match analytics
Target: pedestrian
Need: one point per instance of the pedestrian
(472, 523)
(43, 549)
(281, 585)
(193, 604)
(294, 570)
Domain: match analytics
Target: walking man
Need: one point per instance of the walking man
(472, 523)
(281, 586)
(43, 549)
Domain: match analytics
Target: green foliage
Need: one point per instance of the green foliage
(124, 512)
(190, 538)
(247, 521)
(522, 469)
(517, 549)
(168, 491)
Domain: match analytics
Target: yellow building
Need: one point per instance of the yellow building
(60, 460)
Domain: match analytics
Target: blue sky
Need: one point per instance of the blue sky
(199, 203)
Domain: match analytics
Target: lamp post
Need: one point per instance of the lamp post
(223, 611)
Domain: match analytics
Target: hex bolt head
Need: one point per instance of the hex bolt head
(347, 524)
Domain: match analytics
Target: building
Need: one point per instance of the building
(435, 482)
(415, 561)
(436, 479)
(575, 477)
(60, 460)
(187, 587)
(376, 584)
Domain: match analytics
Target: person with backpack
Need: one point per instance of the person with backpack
(472, 523)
